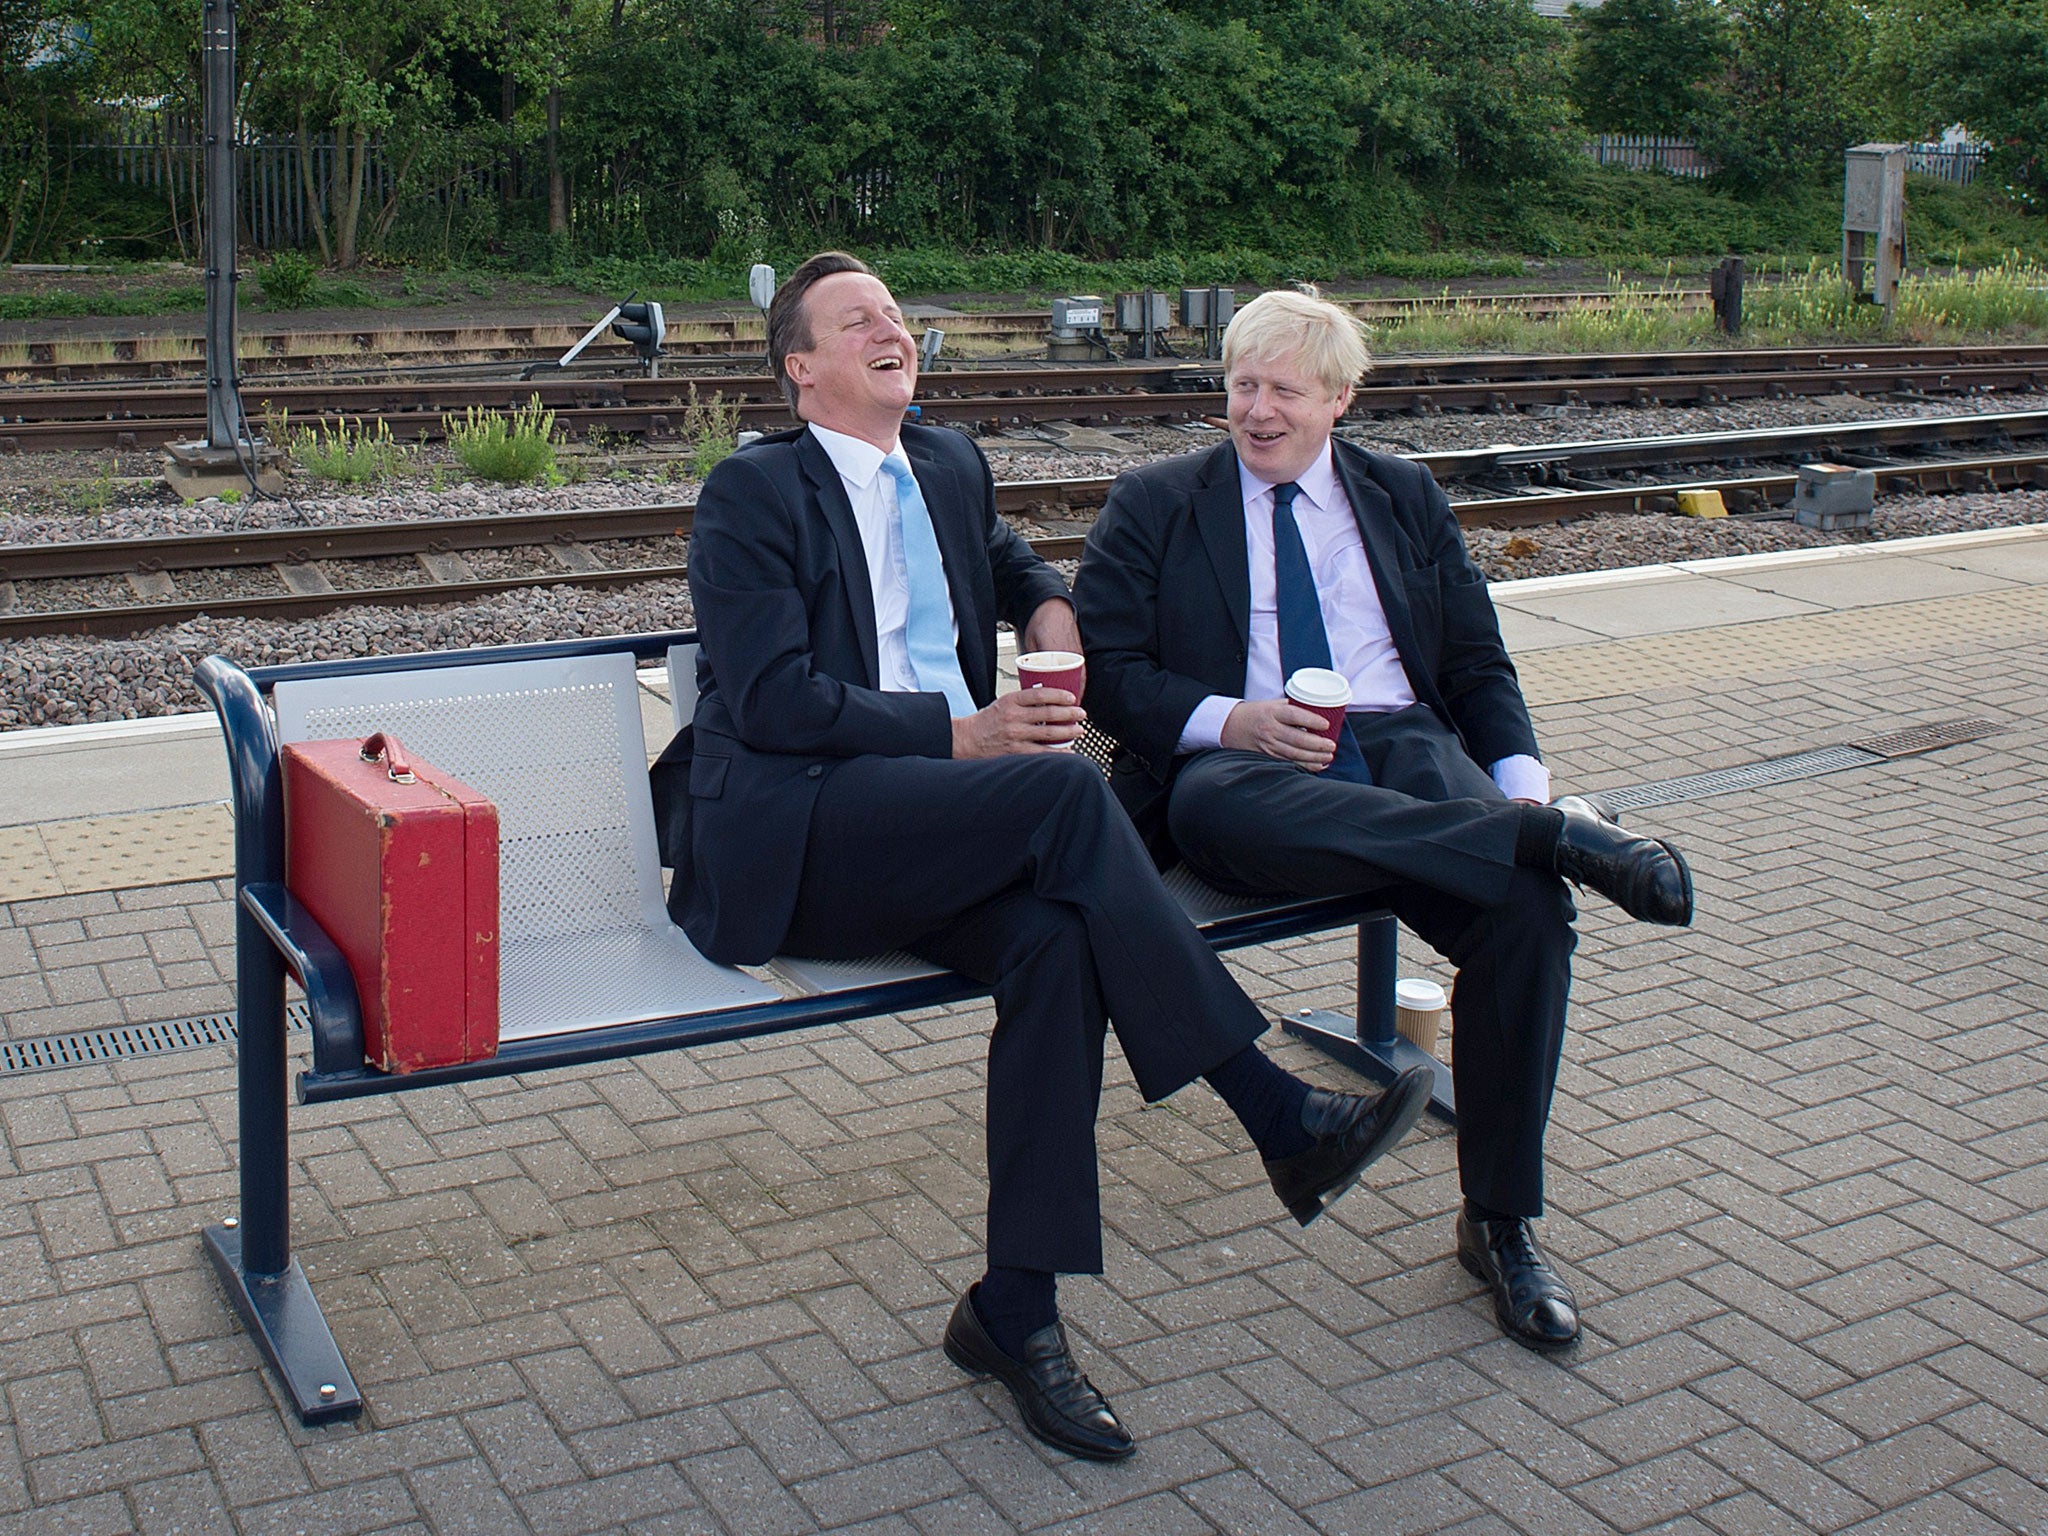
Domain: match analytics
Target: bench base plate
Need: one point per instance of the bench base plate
(1381, 1060)
(281, 1315)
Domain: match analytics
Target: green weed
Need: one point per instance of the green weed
(288, 280)
(93, 495)
(512, 448)
(712, 429)
(347, 453)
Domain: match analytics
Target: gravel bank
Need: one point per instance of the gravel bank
(60, 681)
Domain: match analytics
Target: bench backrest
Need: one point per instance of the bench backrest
(551, 743)
(557, 744)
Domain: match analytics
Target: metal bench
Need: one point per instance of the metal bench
(592, 969)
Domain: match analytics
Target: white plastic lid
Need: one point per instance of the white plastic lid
(1418, 994)
(1050, 661)
(1320, 687)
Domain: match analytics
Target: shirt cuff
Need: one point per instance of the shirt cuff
(1205, 726)
(1522, 777)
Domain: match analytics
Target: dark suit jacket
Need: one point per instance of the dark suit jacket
(1164, 596)
(788, 667)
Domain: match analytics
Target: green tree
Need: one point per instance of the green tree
(1983, 63)
(1795, 93)
(365, 72)
(1646, 66)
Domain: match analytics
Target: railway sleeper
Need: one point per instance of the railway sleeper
(303, 579)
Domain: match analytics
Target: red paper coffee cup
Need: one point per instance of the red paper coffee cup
(1052, 669)
(1322, 692)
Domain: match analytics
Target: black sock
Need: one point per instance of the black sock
(1474, 1211)
(1536, 841)
(1013, 1304)
(1266, 1100)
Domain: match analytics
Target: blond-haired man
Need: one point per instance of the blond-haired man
(1211, 579)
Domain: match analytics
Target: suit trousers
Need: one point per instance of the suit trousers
(1024, 873)
(1433, 837)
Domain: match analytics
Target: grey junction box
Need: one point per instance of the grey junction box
(1834, 496)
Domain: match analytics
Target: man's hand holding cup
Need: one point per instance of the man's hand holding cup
(1299, 728)
(1043, 715)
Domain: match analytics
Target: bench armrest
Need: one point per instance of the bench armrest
(311, 956)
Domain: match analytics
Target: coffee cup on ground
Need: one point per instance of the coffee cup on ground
(1419, 1011)
(1052, 669)
(1322, 692)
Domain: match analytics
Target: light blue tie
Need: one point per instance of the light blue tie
(928, 623)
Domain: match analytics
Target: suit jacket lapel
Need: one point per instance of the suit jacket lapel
(828, 494)
(960, 548)
(1374, 511)
(1219, 518)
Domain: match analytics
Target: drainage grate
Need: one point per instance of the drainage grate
(43, 1052)
(1723, 781)
(1925, 738)
(1799, 765)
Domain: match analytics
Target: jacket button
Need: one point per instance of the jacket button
(813, 771)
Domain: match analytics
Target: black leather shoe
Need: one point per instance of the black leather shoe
(1060, 1405)
(1533, 1305)
(1644, 876)
(1351, 1132)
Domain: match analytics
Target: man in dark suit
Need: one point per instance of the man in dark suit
(851, 784)
(1210, 581)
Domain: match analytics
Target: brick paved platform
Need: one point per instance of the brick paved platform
(1799, 1163)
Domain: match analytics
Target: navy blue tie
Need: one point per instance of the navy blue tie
(1303, 640)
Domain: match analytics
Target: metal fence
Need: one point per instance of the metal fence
(280, 182)
(1959, 165)
(1680, 157)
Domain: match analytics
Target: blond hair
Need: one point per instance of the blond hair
(1282, 326)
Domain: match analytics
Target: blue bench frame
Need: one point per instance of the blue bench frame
(275, 936)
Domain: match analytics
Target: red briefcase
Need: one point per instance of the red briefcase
(399, 863)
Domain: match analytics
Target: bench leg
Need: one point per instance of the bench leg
(1369, 1044)
(253, 1256)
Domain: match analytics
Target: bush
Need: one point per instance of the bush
(288, 280)
(512, 449)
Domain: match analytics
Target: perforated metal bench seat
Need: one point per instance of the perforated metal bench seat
(592, 968)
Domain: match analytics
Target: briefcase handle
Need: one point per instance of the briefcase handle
(397, 767)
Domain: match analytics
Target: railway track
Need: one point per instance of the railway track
(712, 337)
(656, 409)
(1491, 487)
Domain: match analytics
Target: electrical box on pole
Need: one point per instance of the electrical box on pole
(1874, 219)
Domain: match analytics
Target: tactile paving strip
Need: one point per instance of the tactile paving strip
(105, 853)
(1767, 647)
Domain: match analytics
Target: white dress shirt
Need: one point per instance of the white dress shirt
(873, 495)
(1361, 645)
